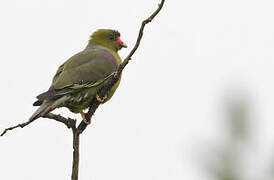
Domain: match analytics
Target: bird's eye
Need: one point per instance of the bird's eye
(111, 37)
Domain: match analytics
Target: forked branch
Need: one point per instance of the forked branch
(71, 123)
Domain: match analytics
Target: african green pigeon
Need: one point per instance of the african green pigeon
(78, 80)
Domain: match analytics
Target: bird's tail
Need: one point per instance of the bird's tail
(48, 106)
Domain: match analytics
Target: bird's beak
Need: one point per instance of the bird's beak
(124, 45)
(121, 43)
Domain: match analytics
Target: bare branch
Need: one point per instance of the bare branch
(70, 123)
(75, 162)
(141, 32)
(14, 127)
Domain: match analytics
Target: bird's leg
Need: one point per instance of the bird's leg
(84, 118)
(101, 100)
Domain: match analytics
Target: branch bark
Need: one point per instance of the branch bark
(71, 123)
(75, 162)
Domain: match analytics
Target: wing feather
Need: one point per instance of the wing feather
(86, 69)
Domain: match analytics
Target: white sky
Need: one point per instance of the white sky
(168, 106)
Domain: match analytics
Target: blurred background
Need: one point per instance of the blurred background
(196, 101)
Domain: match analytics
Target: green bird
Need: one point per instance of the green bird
(78, 80)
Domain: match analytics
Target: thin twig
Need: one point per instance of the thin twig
(141, 32)
(14, 127)
(67, 121)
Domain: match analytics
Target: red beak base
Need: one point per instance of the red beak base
(121, 42)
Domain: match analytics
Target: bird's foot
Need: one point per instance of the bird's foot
(84, 118)
(101, 100)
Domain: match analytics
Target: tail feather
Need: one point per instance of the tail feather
(47, 107)
(40, 111)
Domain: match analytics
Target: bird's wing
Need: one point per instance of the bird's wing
(86, 69)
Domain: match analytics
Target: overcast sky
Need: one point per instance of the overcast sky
(169, 105)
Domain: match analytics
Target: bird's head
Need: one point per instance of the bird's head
(108, 38)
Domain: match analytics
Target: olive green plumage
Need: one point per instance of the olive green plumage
(77, 81)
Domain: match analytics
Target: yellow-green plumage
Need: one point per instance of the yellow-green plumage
(77, 81)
